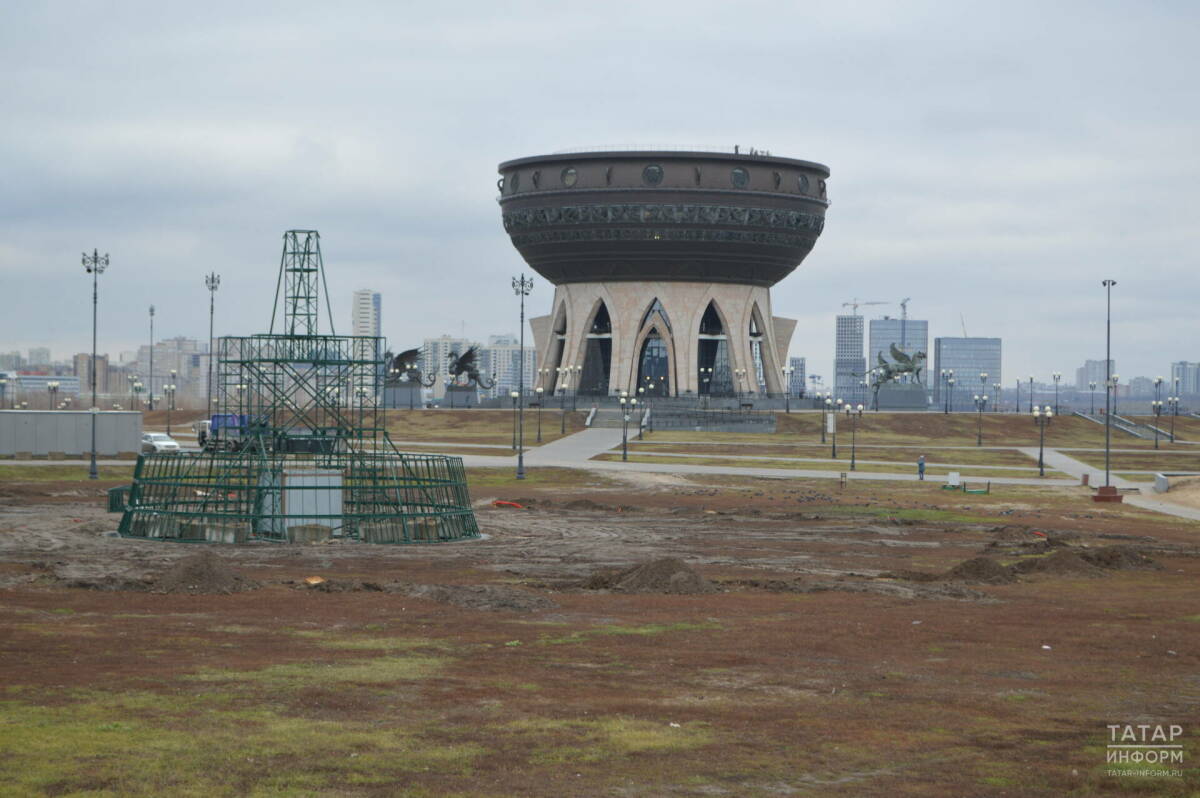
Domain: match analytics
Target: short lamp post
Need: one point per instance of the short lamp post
(3, 390)
(824, 416)
(136, 396)
(980, 406)
(564, 375)
(1030, 393)
(833, 411)
(539, 390)
(169, 393)
(95, 264)
(1110, 402)
(950, 394)
(854, 413)
(996, 400)
(1156, 407)
(514, 395)
(628, 405)
(1042, 417)
(52, 390)
(787, 388)
(1173, 406)
(1092, 398)
(946, 376)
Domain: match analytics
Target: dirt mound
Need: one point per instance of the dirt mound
(202, 572)
(1118, 558)
(478, 597)
(110, 582)
(584, 504)
(667, 575)
(1064, 562)
(982, 570)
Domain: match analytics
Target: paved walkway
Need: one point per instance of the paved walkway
(1146, 499)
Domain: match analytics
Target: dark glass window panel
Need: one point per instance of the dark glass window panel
(652, 175)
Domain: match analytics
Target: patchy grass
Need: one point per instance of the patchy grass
(477, 426)
(568, 478)
(603, 739)
(63, 473)
(382, 670)
(364, 643)
(146, 744)
(644, 630)
(935, 456)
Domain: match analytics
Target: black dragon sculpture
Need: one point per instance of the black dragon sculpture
(407, 364)
(464, 367)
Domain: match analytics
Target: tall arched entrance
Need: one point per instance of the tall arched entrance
(714, 375)
(597, 358)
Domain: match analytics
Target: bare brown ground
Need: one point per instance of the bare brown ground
(810, 672)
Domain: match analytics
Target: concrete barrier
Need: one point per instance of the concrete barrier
(68, 433)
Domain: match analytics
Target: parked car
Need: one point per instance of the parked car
(158, 442)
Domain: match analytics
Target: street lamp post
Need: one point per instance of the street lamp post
(996, 399)
(137, 394)
(151, 357)
(211, 282)
(1042, 418)
(950, 394)
(521, 287)
(980, 404)
(1109, 380)
(854, 414)
(1156, 407)
(1056, 376)
(514, 396)
(564, 375)
(787, 388)
(1092, 398)
(52, 390)
(169, 393)
(3, 390)
(833, 411)
(1017, 407)
(539, 392)
(625, 427)
(95, 264)
(825, 416)
(1030, 393)
(1173, 404)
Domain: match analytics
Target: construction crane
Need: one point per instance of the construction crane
(904, 324)
(855, 304)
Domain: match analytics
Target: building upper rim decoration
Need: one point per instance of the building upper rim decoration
(663, 155)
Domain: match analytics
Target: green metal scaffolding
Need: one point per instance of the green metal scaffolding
(303, 455)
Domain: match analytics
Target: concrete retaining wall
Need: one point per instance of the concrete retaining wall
(69, 432)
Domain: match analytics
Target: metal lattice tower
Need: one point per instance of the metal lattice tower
(303, 450)
(301, 276)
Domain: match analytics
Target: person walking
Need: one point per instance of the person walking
(921, 468)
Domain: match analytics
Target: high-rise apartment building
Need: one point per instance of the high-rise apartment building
(435, 359)
(1188, 376)
(909, 336)
(501, 360)
(11, 361)
(1092, 371)
(968, 358)
(82, 362)
(795, 383)
(39, 356)
(366, 313)
(849, 365)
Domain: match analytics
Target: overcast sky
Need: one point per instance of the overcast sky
(993, 161)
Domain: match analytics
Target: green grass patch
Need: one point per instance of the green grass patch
(63, 473)
(365, 643)
(604, 738)
(642, 631)
(144, 744)
(381, 670)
